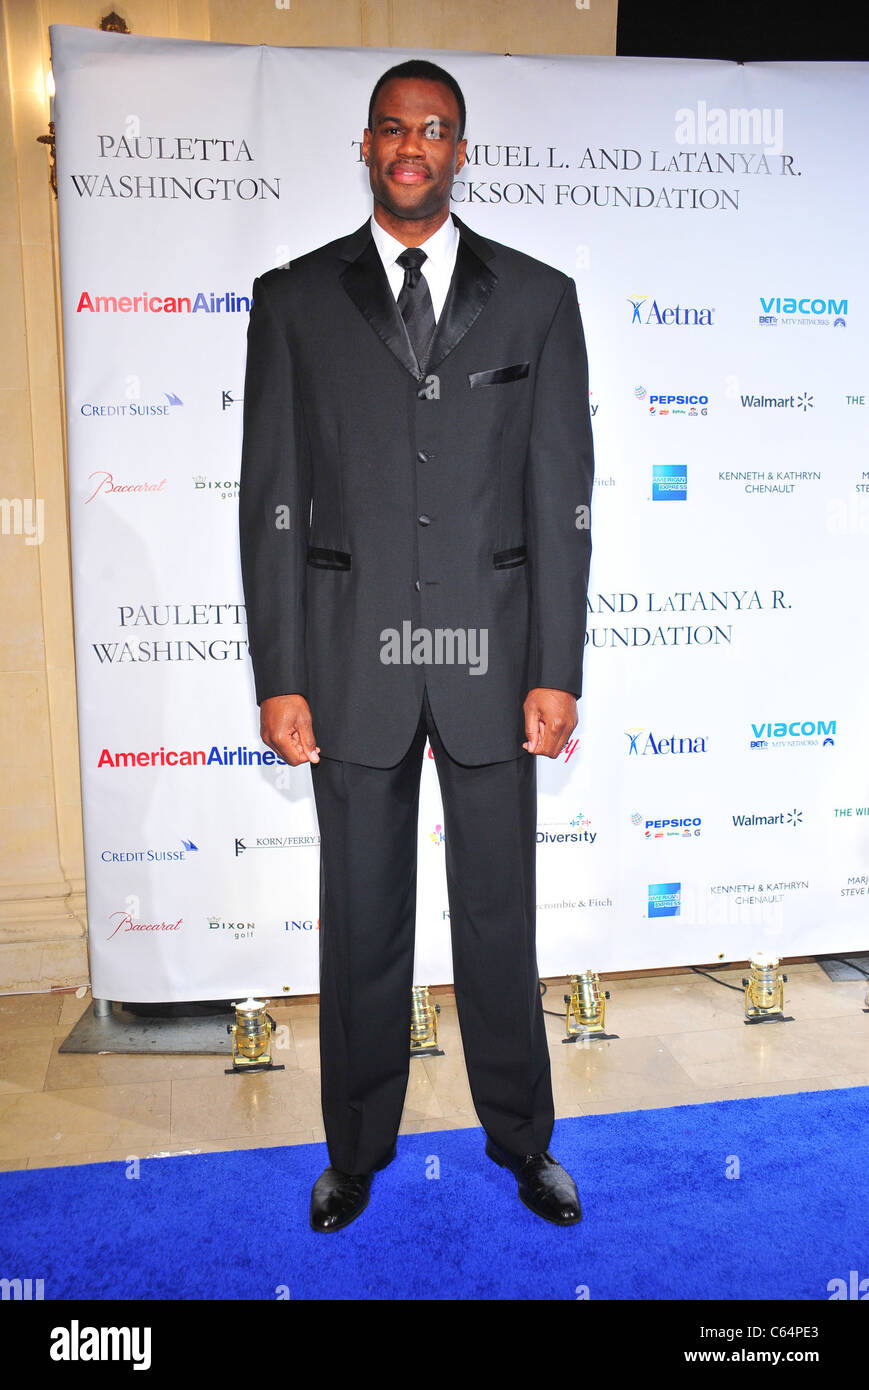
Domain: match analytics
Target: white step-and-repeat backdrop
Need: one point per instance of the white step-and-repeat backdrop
(715, 796)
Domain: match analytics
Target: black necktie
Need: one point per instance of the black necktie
(414, 304)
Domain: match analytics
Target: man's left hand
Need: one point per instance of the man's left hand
(550, 719)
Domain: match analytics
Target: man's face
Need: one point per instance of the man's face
(413, 152)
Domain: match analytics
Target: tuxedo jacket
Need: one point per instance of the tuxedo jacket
(397, 516)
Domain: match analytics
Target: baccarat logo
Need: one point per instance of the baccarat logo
(125, 922)
(104, 482)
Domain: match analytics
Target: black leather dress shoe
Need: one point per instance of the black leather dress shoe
(545, 1187)
(338, 1198)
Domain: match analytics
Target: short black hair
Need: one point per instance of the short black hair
(428, 72)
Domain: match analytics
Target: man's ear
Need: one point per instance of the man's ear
(461, 153)
(366, 144)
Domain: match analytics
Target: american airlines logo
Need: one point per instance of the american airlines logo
(200, 302)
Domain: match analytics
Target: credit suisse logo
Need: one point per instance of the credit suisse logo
(132, 410)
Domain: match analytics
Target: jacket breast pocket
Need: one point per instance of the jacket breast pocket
(321, 558)
(496, 376)
(510, 559)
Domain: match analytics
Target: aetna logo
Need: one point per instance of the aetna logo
(641, 743)
(667, 315)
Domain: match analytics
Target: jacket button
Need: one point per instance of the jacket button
(424, 520)
(423, 457)
(416, 584)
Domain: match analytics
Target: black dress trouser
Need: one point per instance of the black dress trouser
(368, 845)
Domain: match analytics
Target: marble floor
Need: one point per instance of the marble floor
(681, 1040)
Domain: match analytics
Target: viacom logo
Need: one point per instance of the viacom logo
(809, 310)
(796, 733)
(665, 899)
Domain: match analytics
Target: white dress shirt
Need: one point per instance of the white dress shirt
(440, 250)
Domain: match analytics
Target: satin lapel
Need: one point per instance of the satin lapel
(471, 285)
(365, 281)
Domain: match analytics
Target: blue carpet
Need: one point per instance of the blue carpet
(662, 1220)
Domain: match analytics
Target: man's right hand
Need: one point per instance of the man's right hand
(285, 725)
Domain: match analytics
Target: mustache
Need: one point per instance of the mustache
(416, 168)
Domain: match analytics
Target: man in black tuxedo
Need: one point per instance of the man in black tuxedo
(414, 515)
